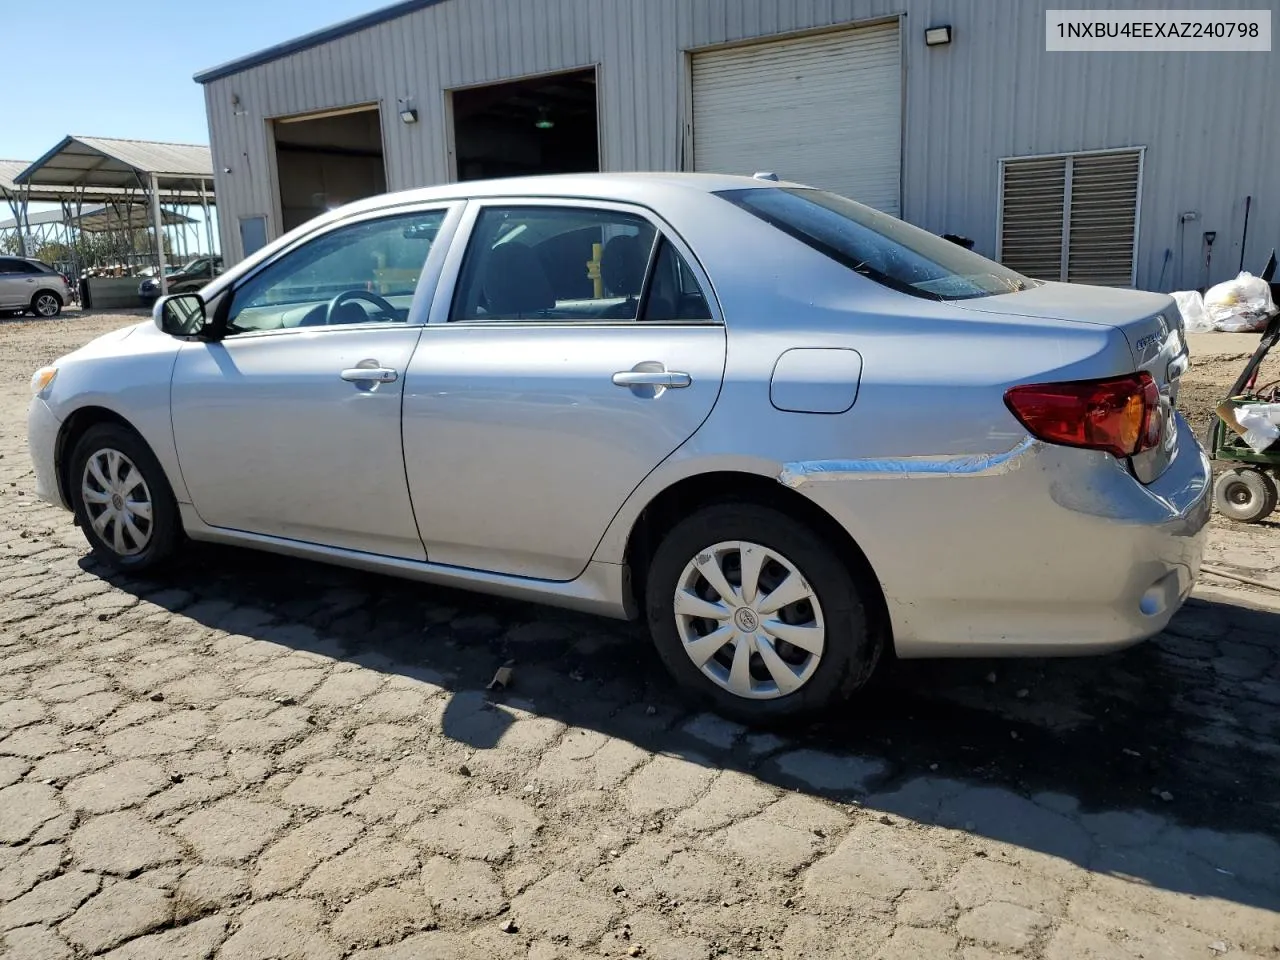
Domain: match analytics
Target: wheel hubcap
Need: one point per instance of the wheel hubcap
(1239, 494)
(117, 502)
(749, 620)
(46, 306)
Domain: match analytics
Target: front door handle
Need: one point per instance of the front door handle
(370, 371)
(651, 378)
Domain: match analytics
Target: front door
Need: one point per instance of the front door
(289, 426)
(577, 351)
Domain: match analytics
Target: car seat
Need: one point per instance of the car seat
(515, 285)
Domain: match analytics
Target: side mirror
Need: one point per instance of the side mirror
(181, 315)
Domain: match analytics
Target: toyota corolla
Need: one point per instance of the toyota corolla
(790, 432)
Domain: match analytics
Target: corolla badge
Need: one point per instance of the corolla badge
(1153, 339)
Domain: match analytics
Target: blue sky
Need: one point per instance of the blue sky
(123, 68)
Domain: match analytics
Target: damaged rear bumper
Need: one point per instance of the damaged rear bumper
(1040, 550)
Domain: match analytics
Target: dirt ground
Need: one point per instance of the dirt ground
(251, 757)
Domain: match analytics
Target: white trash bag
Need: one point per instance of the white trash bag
(1259, 421)
(1191, 306)
(1241, 305)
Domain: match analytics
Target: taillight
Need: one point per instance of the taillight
(1120, 415)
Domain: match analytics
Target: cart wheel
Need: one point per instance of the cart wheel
(1245, 494)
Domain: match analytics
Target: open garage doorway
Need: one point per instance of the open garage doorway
(328, 159)
(543, 124)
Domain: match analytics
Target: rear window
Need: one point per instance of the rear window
(878, 246)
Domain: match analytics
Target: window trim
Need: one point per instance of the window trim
(1068, 156)
(422, 296)
(442, 306)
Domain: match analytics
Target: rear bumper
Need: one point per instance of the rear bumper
(42, 441)
(1053, 552)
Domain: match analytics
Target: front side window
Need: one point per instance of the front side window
(878, 246)
(366, 272)
(554, 264)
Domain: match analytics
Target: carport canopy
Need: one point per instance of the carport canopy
(97, 219)
(91, 163)
(79, 166)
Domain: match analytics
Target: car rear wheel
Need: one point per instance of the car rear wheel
(122, 500)
(46, 304)
(752, 611)
(1245, 494)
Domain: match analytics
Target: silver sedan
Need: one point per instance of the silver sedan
(792, 433)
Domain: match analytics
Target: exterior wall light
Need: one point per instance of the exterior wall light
(938, 36)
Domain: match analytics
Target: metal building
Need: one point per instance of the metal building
(1100, 167)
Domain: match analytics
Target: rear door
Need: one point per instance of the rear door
(576, 347)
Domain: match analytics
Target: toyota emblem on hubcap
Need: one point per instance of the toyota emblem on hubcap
(746, 619)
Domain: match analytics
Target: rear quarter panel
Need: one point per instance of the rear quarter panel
(932, 380)
(956, 557)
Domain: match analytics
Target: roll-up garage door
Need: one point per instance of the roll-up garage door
(825, 110)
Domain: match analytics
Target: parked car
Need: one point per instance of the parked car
(790, 432)
(28, 285)
(193, 276)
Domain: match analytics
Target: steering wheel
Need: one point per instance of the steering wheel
(346, 296)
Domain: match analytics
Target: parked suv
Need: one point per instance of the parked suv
(31, 285)
(189, 278)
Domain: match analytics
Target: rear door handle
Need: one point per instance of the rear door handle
(370, 375)
(651, 378)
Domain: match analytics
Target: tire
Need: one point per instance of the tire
(1245, 494)
(46, 304)
(835, 627)
(91, 499)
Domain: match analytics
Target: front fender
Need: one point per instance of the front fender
(132, 386)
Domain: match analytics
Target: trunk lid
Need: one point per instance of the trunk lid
(1151, 324)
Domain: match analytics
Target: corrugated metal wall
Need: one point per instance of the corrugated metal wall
(994, 92)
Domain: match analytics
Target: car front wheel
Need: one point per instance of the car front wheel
(752, 611)
(122, 500)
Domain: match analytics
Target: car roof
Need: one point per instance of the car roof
(640, 187)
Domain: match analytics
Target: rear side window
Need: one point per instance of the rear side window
(674, 293)
(556, 264)
(878, 246)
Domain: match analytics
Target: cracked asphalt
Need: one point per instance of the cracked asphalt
(252, 757)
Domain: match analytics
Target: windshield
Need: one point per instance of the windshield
(195, 266)
(879, 246)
